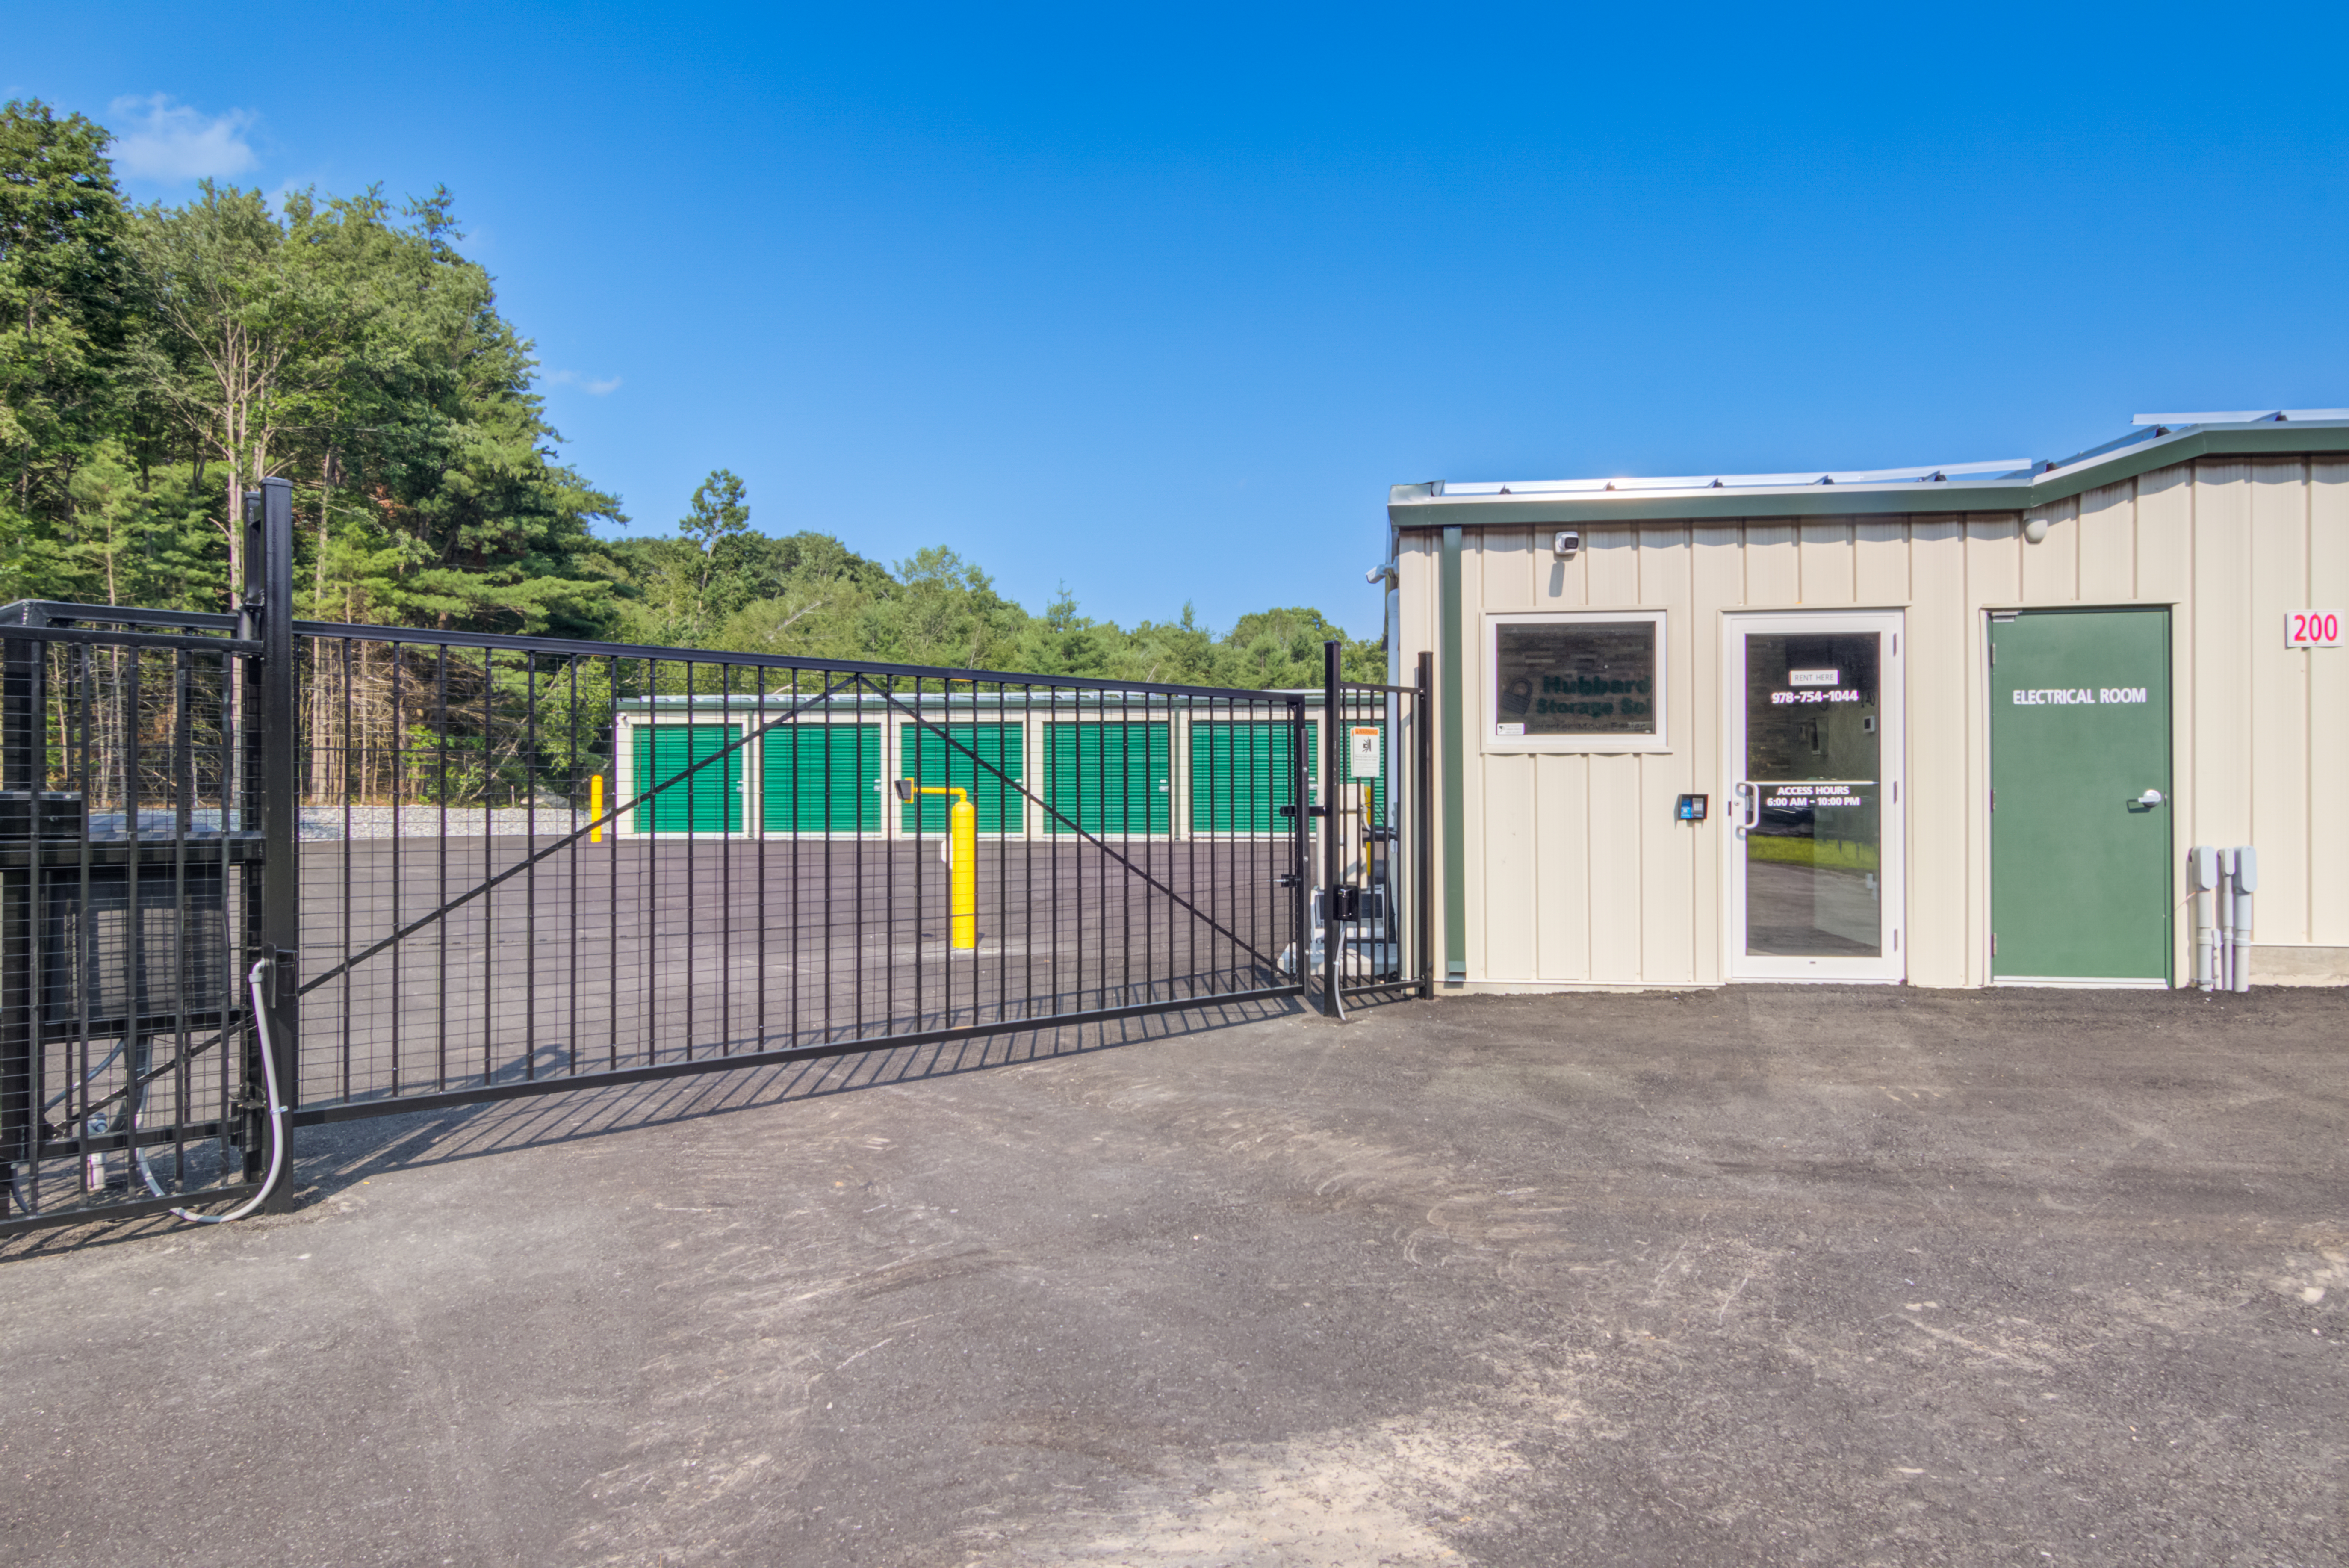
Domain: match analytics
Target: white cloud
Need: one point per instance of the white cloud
(159, 140)
(595, 386)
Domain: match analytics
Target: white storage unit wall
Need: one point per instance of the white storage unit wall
(1571, 868)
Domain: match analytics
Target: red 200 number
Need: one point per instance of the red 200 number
(2312, 629)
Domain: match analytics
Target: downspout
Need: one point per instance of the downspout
(1455, 832)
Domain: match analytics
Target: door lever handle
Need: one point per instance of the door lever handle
(2149, 798)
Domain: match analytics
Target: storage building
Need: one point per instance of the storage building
(1051, 766)
(1953, 726)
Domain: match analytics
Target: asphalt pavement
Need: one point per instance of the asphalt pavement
(1762, 1276)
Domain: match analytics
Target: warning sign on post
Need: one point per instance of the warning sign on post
(1366, 753)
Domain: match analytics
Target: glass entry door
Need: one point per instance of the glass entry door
(1814, 839)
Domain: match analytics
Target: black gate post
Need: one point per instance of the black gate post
(1423, 823)
(280, 925)
(23, 773)
(1333, 769)
(1299, 880)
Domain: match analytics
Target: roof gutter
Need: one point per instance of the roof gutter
(1426, 505)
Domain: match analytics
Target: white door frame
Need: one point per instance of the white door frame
(1892, 722)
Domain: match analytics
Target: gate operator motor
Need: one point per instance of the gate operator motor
(130, 934)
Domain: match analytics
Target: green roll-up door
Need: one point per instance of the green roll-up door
(820, 778)
(1109, 778)
(932, 758)
(1239, 773)
(709, 800)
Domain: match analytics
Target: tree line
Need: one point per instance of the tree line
(156, 360)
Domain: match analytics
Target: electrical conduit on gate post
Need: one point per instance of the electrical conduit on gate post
(962, 859)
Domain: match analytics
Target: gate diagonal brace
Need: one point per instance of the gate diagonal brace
(573, 837)
(1196, 913)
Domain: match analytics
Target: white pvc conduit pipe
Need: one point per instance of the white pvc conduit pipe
(2222, 881)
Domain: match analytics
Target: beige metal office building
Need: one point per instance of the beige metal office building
(2135, 650)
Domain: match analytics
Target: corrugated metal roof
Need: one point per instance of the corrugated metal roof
(2241, 417)
(2000, 484)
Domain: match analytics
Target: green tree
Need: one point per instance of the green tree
(809, 595)
(1180, 652)
(1062, 641)
(438, 495)
(249, 315)
(65, 323)
(1281, 649)
(946, 612)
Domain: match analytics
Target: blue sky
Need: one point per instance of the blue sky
(1157, 303)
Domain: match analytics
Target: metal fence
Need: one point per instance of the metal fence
(750, 886)
(127, 893)
(1370, 908)
(471, 866)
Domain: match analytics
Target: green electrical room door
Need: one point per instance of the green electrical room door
(2080, 815)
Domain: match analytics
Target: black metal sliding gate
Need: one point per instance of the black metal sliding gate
(481, 866)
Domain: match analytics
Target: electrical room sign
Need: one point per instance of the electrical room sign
(1365, 752)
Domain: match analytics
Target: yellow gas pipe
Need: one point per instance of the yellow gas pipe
(962, 859)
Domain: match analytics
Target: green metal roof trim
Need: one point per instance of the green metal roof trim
(1426, 505)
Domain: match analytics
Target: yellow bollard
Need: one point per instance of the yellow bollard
(962, 872)
(595, 809)
(962, 860)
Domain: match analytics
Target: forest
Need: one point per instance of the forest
(156, 360)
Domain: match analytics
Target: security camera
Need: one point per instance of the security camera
(1566, 544)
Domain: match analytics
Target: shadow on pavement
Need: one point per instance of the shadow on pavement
(330, 1159)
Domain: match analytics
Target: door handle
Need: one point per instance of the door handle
(2149, 799)
(1749, 806)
